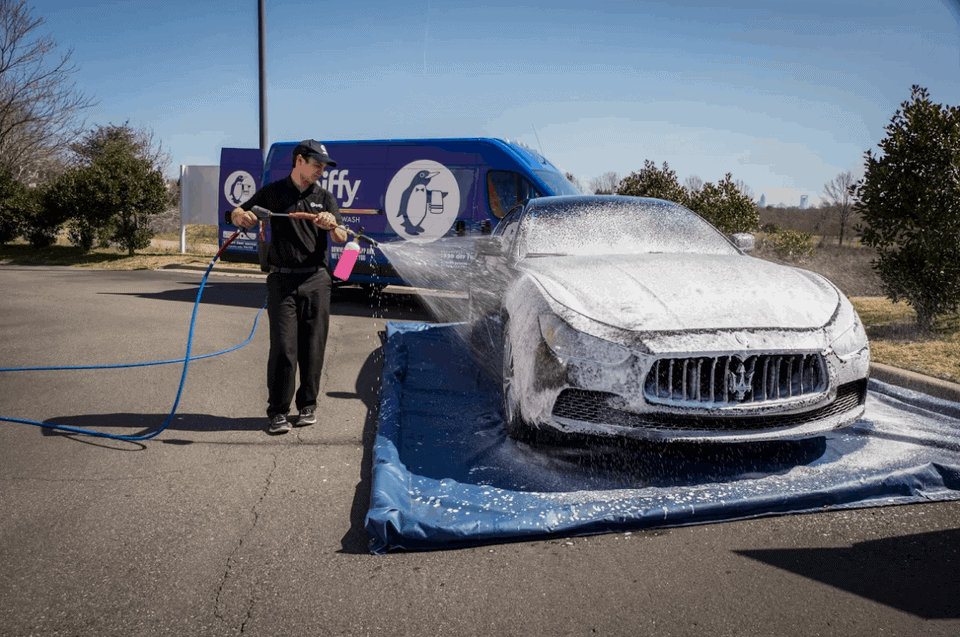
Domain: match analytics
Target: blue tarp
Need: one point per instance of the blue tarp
(445, 474)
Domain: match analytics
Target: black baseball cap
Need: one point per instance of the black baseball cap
(313, 148)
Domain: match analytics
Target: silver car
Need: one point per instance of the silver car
(634, 317)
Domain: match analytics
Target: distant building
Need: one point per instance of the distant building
(803, 201)
(763, 201)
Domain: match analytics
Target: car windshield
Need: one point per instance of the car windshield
(618, 226)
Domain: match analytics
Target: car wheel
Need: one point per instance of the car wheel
(512, 418)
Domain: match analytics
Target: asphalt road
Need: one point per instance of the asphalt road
(217, 528)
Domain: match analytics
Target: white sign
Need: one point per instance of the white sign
(239, 186)
(422, 201)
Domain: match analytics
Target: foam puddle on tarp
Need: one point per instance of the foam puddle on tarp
(445, 474)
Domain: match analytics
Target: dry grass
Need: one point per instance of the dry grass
(62, 253)
(891, 327)
(848, 267)
(896, 341)
(196, 235)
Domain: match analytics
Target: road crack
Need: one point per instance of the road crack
(234, 565)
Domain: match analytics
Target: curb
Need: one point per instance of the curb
(216, 269)
(917, 382)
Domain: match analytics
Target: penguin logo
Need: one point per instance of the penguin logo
(422, 201)
(415, 201)
(238, 187)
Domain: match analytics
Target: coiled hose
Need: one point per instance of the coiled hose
(183, 377)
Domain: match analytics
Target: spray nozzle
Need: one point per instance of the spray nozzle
(359, 236)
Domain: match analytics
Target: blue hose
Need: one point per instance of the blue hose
(183, 378)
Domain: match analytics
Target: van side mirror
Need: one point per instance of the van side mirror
(742, 240)
(489, 247)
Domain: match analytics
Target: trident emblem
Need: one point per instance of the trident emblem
(739, 381)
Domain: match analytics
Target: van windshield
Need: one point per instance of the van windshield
(557, 183)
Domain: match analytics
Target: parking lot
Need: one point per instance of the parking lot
(216, 528)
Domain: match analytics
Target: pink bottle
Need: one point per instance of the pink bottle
(349, 257)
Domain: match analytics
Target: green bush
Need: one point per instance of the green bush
(113, 192)
(770, 228)
(39, 226)
(909, 201)
(654, 182)
(11, 209)
(795, 244)
(727, 208)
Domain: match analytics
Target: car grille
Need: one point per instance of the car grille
(724, 381)
(593, 407)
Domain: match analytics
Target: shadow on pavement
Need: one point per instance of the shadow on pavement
(344, 301)
(140, 424)
(368, 390)
(912, 573)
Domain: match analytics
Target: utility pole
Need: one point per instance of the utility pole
(262, 31)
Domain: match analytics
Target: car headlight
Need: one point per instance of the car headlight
(846, 333)
(570, 343)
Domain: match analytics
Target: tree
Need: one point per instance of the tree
(839, 194)
(605, 184)
(744, 189)
(96, 142)
(693, 184)
(114, 189)
(909, 200)
(654, 182)
(12, 207)
(40, 107)
(726, 206)
(570, 177)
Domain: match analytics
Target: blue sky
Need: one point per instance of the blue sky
(783, 95)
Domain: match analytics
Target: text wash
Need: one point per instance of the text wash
(342, 188)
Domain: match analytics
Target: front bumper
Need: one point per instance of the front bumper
(586, 397)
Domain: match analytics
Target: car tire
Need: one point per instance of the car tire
(513, 422)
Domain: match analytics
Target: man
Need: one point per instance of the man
(299, 281)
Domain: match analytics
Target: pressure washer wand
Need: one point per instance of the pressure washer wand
(359, 236)
(264, 215)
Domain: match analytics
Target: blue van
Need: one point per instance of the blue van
(404, 190)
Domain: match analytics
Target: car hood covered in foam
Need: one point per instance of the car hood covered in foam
(666, 292)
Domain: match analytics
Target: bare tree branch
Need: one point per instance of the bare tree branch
(40, 106)
(605, 184)
(840, 196)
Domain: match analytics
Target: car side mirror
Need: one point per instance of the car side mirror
(742, 240)
(489, 247)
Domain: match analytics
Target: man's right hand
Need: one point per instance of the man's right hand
(242, 218)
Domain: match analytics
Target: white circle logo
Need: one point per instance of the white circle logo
(239, 187)
(422, 201)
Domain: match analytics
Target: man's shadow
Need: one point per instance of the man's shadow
(128, 424)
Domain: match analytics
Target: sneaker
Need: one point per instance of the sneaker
(279, 424)
(307, 417)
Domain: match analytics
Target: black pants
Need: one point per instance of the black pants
(299, 309)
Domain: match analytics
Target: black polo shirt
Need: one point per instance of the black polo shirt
(295, 243)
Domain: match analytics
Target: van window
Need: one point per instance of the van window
(505, 189)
